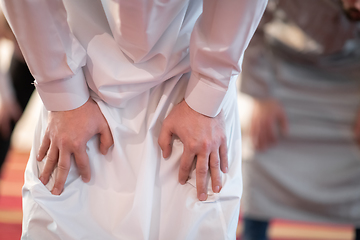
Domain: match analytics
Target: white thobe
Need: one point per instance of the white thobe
(136, 59)
(313, 172)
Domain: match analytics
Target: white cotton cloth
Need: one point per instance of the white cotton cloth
(136, 59)
(134, 192)
(128, 47)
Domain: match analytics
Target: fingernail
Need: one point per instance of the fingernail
(38, 157)
(41, 178)
(56, 191)
(226, 170)
(85, 179)
(202, 197)
(217, 189)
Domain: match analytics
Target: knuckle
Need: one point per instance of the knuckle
(63, 141)
(206, 145)
(202, 170)
(76, 144)
(193, 146)
(63, 167)
(223, 138)
(51, 159)
(215, 164)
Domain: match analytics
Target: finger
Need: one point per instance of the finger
(223, 151)
(270, 133)
(164, 141)
(45, 144)
(202, 166)
(267, 136)
(62, 172)
(51, 161)
(255, 135)
(82, 163)
(106, 140)
(186, 163)
(283, 122)
(215, 172)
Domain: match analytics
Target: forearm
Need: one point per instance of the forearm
(217, 45)
(53, 54)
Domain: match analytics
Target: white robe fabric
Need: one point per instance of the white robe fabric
(134, 193)
(120, 48)
(137, 59)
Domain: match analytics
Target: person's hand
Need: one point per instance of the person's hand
(67, 134)
(9, 111)
(267, 116)
(204, 138)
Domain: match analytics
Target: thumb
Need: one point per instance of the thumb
(106, 140)
(164, 141)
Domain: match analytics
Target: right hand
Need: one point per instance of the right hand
(67, 134)
(203, 137)
(267, 116)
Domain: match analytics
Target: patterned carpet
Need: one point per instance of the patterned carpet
(11, 181)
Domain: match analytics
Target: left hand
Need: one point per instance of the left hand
(203, 137)
(67, 134)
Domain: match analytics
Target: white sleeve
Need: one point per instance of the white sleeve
(217, 46)
(54, 55)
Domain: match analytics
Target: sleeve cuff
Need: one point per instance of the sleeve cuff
(65, 94)
(204, 98)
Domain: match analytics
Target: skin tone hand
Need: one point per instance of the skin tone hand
(9, 111)
(67, 134)
(267, 115)
(204, 138)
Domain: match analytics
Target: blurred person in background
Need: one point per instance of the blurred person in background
(303, 70)
(15, 90)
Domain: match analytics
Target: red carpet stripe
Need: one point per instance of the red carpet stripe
(10, 231)
(10, 203)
